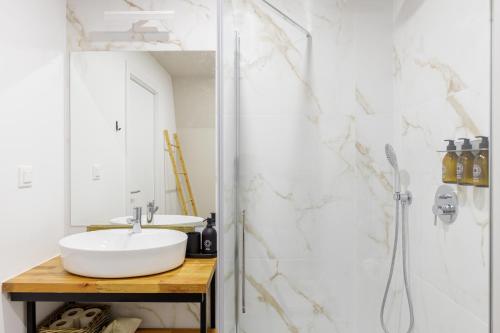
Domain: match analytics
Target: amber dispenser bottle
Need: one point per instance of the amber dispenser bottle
(480, 170)
(450, 163)
(465, 164)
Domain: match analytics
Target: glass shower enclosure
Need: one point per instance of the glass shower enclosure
(307, 193)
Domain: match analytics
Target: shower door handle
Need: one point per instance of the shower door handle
(243, 263)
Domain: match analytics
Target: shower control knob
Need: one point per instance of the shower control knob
(445, 204)
(448, 209)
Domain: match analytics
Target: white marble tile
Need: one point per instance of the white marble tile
(441, 92)
(192, 27)
(437, 313)
(315, 123)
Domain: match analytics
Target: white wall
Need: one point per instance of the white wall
(195, 113)
(98, 98)
(33, 39)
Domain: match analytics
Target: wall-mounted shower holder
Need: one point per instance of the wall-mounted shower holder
(445, 204)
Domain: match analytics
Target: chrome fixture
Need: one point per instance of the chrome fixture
(238, 270)
(243, 266)
(136, 220)
(404, 200)
(445, 204)
(391, 157)
(152, 209)
(288, 18)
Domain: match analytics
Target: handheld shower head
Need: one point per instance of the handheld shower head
(393, 160)
(391, 156)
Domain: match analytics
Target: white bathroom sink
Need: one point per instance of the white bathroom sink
(119, 253)
(170, 220)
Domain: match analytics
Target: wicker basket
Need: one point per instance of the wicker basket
(95, 326)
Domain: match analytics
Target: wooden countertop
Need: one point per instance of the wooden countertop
(193, 276)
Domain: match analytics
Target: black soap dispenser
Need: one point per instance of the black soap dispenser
(209, 237)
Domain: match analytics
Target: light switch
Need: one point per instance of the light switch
(24, 176)
(96, 172)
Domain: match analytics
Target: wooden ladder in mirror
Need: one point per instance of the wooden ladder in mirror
(177, 174)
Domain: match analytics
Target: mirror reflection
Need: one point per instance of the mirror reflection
(142, 135)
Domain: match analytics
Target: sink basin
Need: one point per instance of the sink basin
(119, 253)
(171, 220)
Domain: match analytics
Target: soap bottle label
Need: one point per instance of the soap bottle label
(476, 172)
(208, 245)
(460, 170)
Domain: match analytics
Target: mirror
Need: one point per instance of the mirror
(125, 107)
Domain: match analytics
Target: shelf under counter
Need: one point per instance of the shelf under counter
(49, 282)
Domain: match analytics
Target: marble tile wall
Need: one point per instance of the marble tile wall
(442, 91)
(192, 27)
(315, 181)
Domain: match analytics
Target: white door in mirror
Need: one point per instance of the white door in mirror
(119, 253)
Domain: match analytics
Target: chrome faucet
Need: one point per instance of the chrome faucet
(152, 209)
(136, 220)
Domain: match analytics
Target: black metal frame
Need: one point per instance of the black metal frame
(201, 298)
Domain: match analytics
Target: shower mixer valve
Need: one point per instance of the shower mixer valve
(445, 205)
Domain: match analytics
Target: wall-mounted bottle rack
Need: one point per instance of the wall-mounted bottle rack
(460, 150)
(467, 166)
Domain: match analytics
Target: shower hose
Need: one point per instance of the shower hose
(405, 265)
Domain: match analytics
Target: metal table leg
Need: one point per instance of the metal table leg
(30, 317)
(203, 314)
(212, 302)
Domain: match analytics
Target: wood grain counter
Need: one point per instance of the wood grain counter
(194, 276)
(193, 282)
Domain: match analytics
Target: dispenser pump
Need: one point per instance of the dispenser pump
(466, 144)
(484, 144)
(211, 219)
(451, 145)
(209, 236)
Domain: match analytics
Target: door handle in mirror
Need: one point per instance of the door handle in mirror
(117, 127)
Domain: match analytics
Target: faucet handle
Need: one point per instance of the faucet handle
(152, 207)
(137, 214)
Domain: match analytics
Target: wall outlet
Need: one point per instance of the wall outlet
(24, 176)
